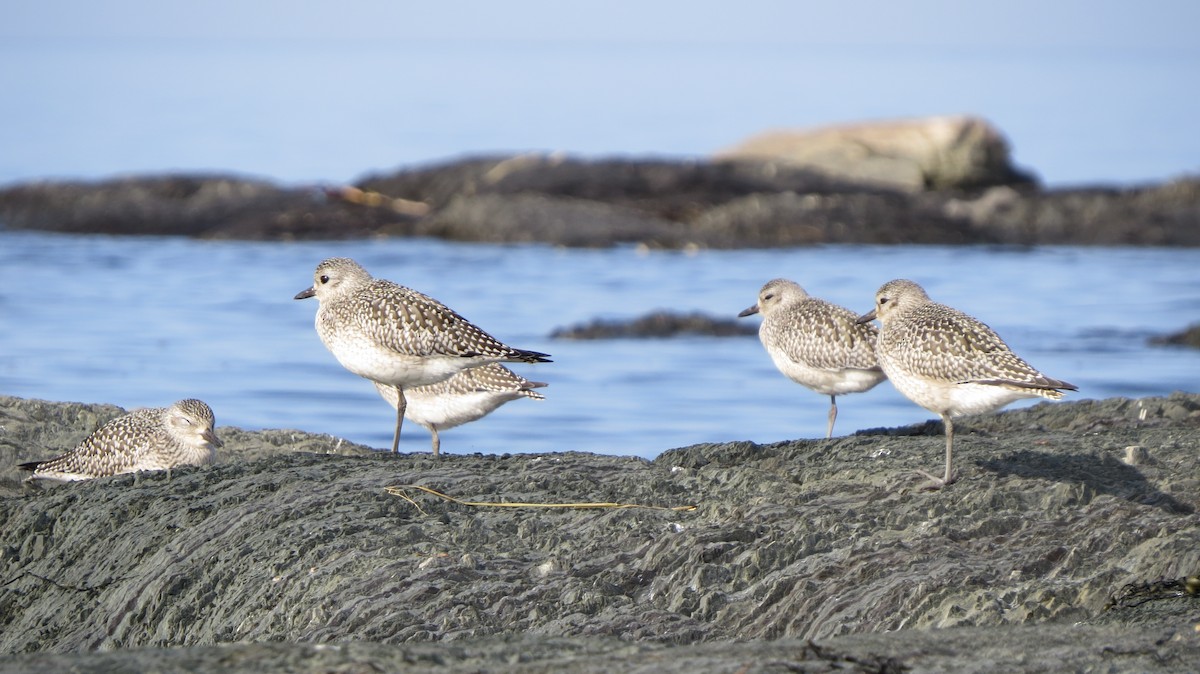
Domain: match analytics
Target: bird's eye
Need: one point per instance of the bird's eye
(324, 279)
(883, 300)
(769, 296)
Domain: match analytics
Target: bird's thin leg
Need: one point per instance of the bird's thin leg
(832, 416)
(437, 442)
(949, 477)
(401, 405)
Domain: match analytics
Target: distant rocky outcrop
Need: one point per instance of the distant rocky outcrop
(1187, 337)
(207, 206)
(657, 324)
(946, 152)
(1069, 543)
(745, 202)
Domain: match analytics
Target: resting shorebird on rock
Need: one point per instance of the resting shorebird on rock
(948, 362)
(396, 336)
(816, 344)
(159, 438)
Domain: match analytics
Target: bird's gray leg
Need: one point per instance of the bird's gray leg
(949, 477)
(437, 441)
(832, 416)
(401, 405)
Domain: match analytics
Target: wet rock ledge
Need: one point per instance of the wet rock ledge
(733, 202)
(1067, 546)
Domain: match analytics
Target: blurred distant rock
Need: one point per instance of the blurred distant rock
(1188, 337)
(1158, 215)
(657, 324)
(674, 190)
(803, 219)
(192, 205)
(565, 221)
(576, 202)
(943, 152)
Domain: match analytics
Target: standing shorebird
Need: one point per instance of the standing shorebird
(467, 396)
(396, 336)
(815, 343)
(948, 362)
(159, 438)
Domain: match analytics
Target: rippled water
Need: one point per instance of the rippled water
(146, 321)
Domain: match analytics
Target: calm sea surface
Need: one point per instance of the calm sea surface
(146, 321)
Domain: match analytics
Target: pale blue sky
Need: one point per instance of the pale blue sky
(1085, 91)
(1032, 23)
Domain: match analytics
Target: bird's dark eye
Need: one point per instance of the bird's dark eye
(769, 296)
(883, 300)
(324, 279)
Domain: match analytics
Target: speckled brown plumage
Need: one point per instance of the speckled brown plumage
(158, 438)
(949, 362)
(467, 396)
(395, 335)
(815, 343)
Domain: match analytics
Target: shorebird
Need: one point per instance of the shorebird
(159, 438)
(467, 396)
(816, 344)
(948, 362)
(396, 336)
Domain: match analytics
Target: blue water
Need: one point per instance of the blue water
(146, 321)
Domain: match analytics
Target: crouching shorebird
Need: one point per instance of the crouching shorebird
(815, 343)
(160, 438)
(467, 396)
(396, 336)
(948, 362)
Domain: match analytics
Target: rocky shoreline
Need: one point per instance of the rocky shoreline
(657, 203)
(1067, 545)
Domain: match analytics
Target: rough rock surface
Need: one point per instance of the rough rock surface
(809, 555)
(941, 152)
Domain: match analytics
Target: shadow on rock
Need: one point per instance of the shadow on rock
(1099, 474)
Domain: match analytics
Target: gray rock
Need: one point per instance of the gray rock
(217, 207)
(657, 324)
(1187, 337)
(295, 538)
(533, 217)
(792, 219)
(1159, 215)
(574, 202)
(675, 190)
(945, 152)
